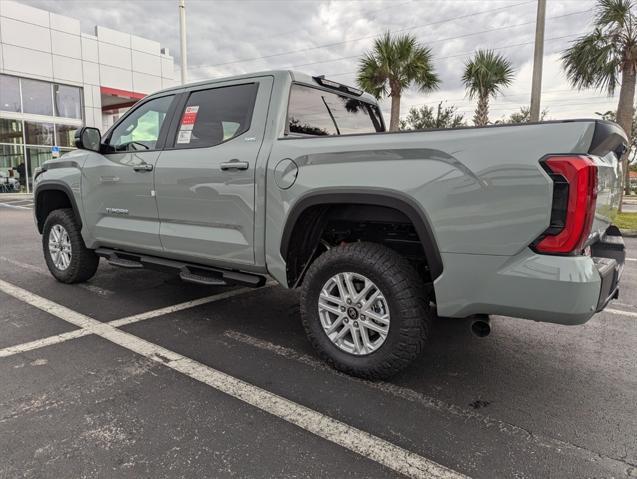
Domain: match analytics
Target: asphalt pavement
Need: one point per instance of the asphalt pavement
(137, 374)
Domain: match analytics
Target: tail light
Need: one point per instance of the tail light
(573, 209)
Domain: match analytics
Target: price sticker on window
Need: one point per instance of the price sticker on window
(184, 136)
(189, 118)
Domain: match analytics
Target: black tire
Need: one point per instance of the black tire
(84, 261)
(404, 291)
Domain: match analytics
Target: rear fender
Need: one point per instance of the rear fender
(385, 199)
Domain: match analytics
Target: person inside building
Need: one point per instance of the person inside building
(21, 169)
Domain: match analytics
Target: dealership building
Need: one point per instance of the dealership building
(54, 78)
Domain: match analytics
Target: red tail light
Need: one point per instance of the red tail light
(574, 198)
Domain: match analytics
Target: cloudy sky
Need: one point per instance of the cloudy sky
(227, 37)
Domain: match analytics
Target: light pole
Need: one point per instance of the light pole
(538, 56)
(182, 41)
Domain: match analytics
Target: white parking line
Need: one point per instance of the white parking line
(40, 343)
(18, 200)
(36, 269)
(60, 338)
(356, 440)
(631, 259)
(618, 311)
(179, 307)
(15, 207)
(411, 395)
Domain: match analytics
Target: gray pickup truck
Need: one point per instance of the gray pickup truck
(294, 177)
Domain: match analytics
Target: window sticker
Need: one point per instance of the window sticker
(184, 136)
(187, 122)
(189, 118)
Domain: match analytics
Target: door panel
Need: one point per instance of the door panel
(117, 187)
(205, 195)
(118, 200)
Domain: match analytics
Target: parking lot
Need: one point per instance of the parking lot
(136, 374)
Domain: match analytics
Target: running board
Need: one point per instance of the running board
(207, 280)
(124, 263)
(193, 273)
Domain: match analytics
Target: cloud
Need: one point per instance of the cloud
(327, 37)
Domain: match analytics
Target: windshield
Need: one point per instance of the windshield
(321, 113)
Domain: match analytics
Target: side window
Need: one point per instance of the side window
(320, 113)
(140, 130)
(216, 115)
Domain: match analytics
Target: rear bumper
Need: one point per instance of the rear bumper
(609, 256)
(555, 289)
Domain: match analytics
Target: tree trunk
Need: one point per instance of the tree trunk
(394, 120)
(481, 117)
(625, 111)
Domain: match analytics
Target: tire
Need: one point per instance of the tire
(405, 305)
(82, 263)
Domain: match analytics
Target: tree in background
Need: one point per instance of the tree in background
(631, 155)
(392, 66)
(426, 117)
(484, 77)
(607, 57)
(522, 116)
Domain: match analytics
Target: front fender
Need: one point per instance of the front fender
(65, 175)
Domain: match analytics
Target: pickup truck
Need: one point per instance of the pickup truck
(283, 175)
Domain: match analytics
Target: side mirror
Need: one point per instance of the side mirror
(88, 138)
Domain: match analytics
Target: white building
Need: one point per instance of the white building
(54, 79)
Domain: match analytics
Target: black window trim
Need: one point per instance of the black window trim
(171, 136)
(161, 139)
(288, 135)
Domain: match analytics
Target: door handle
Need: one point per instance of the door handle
(143, 167)
(235, 165)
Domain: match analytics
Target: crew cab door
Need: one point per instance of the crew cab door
(117, 187)
(205, 178)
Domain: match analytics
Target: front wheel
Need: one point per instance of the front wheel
(365, 310)
(66, 255)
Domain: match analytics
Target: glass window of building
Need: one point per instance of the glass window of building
(39, 133)
(10, 131)
(36, 97)
(65, 135)
(10, 157)
(67, 100)
(35, 157)
(11, 163)
(9, 93)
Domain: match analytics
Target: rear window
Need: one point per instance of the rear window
(321, 113)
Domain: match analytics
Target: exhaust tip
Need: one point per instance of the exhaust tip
(481, 327)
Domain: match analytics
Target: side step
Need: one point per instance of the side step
(124, 263)
(193, 273)
(216, 280)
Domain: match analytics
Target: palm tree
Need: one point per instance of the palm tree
(393, 65)
(607, 57)
(483, 77)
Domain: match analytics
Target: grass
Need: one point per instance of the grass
(626, 221)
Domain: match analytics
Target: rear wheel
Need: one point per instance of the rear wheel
(365, 310)
(66, 255)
